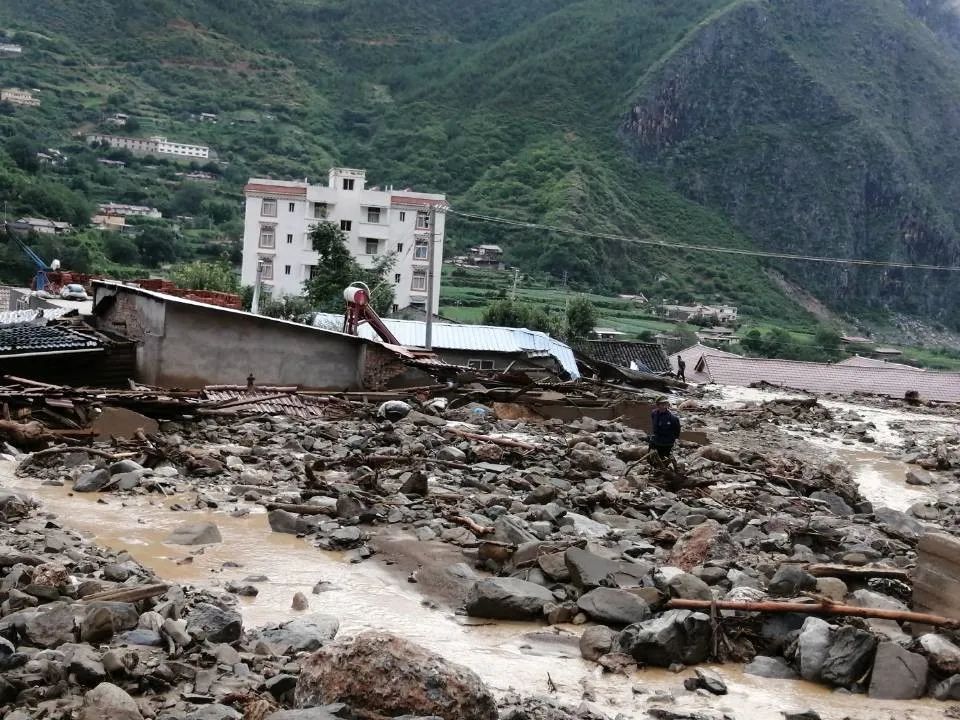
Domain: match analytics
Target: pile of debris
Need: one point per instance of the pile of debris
(737, 553)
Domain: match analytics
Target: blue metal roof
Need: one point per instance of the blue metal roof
(448, 336)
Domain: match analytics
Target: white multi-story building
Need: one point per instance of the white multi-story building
(124, 210)
(157, 145)
(280, 214)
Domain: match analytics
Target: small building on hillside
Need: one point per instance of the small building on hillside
(16, 96)
(9, 49)
(717, 335)
(720, 314)
(124, 210)
(41, 226)
(486, 256)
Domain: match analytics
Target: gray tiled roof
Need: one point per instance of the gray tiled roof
(648, 356)
(840, 379)
(38, 339)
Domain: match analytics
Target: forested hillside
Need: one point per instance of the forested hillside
(814, 126)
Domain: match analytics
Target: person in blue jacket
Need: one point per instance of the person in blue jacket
(665, 428)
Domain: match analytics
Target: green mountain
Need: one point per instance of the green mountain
(821, 127)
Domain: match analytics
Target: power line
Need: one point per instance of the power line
(703, 248)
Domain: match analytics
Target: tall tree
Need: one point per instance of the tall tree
(581, 318)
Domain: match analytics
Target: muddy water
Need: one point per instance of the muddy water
(507, 655)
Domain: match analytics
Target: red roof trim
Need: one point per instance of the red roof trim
(416, 201)
(275, 190)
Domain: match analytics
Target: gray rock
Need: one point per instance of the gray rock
(616, 607)
(299, 602)
(770, 667)
(837, 504)
(125, 466)
(128, 480)
(214, 711)
(199, 533)
(97, 625)
(596, 641)
(897, 673)
(584, 526)
(898, 523)
(449, 452)
(282, 521)
(176, 630)
(711, 682)
(812, 646)
(212, 623)
(949, 689)
(142, 636)
(507, 599)
(943, 654)
(790, 580)
(554, 566)
(84, 663)
(51, 627)
(91, 481)
(677, 636)
(917, 476)
(689, 587)
(849, 656)
(106, 700)
(889, 628)
(511, 529)
(317, 713)
(304, 634)
(588, 570)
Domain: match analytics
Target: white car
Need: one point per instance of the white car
(74, 292)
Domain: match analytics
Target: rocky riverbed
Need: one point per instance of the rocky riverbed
(551, 525)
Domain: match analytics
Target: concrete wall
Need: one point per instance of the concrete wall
(183, 344)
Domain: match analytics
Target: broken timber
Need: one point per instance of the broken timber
(768, 606)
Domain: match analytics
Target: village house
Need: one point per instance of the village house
(122, 210)
(156, 145)
(16, 96)
(720, 314)
(41, 226)
(377, 223)
(112, 163)
(486, 256)
(10, 49)
(117, 120)
(208, 117)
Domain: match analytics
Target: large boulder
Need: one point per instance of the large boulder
(91, 481)
(790, 580)
(51, 627)
(304, 634)
(84, 663)
(213, 623)
(615, 607)
(378, 674)
(708, 540)
(588, 570)
(770, 667)
(106, 700)
(199, 533)
(677, 636)
(943, 654)
(507, 599)
(812, 646)
(849, 656)
(897, 673)
(596, 641)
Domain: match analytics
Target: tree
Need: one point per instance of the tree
(581, 318)
(828, 342)
(158, 244)
(337, 269)
(287, 307)
(121, 248)
(753, 342)
(23, 152)
(509, 313)
(217, 276)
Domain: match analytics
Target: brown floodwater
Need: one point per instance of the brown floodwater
(368, 595)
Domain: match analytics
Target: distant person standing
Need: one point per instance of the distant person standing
(665, 428)
(681, 369)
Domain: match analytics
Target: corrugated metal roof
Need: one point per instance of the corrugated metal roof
(16, 317)
(841, 379)
(448, 336)
(27, 339)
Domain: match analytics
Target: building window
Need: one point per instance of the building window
(396, 307)
(268, 238)
(373, 215)
(289, 238)
(312, 271)
(292, 207)
(347, 184)
(423, 220)
(396, 279)
(346, 225)
(319, 210)
(421, 250)
(266, 269)
(419, 280)
(399, 247)
(373, 246)
(403, 216)
(286, 269)
(268, 208)
(480, 364)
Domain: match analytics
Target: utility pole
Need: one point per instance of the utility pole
(516, 280)
(566, 295)
(431, 270)
(255, 305)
